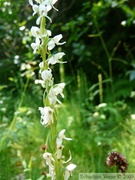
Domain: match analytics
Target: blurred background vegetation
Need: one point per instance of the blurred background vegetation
(98, 110)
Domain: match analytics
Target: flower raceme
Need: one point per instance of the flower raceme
(44, 43)
(42, 9)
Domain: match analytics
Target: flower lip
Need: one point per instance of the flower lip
(55, 58)
(55, 40)
(71, 167)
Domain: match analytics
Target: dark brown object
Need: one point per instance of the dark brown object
(117, 159)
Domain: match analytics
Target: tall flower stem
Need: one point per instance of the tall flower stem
(43, 45)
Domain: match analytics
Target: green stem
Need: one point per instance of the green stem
(44, 41)
(108, 57)
(53, 136)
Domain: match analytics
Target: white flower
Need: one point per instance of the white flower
(46, 74)
(59, 89)
(55, 58)
(46, 116)
(50, 3)
(55, 40)
(52, 173)
(68, 171)
(36, 32)
(52, 97)
(49, 161)
(59, 152)
(60, 137)
(47, 77)
(48, 157)
(35, 46)
(54, 92)
(42, 9)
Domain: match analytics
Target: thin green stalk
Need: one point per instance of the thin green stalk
(109, 57)
(100, 88)
(43, 50)
(53, 136)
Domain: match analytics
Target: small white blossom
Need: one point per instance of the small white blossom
(50, 3)
(42, 9)
(48, 157)
(46, 116)
(59, 152)
(68, 171)
(55, 58)
(54, 92)
(36, 32)
(49, 161)
(55, 40)
(59, 89)
(60, 137)
(52, 173)
(52, 97)
(47, 77)
(35, 46)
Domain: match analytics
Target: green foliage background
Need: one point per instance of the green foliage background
(100, 51)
